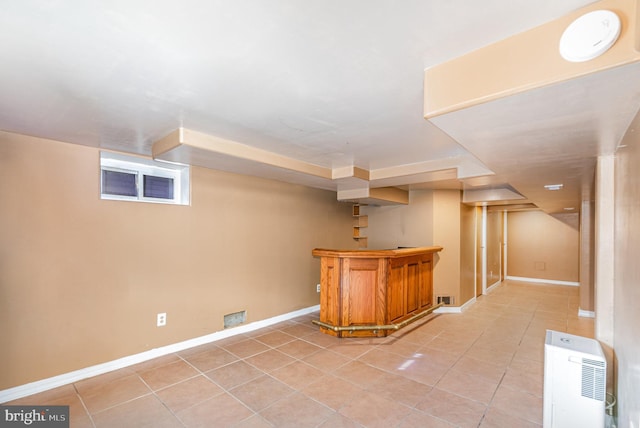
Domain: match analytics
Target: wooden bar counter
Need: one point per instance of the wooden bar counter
(364, 288)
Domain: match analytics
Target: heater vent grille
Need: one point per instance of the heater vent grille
(234, 319)
(593, 379)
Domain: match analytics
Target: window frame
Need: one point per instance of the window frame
(115, 162)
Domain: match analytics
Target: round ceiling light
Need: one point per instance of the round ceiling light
(590, 36)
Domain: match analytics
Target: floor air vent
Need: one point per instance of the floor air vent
(234, 319)
(447, 300)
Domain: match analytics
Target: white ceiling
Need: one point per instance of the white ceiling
(332, 83)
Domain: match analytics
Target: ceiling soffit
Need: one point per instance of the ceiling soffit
(352, 183)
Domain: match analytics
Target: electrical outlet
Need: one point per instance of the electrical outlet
(161, 320)
(318, 288)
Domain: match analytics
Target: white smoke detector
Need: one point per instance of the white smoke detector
(590, 36)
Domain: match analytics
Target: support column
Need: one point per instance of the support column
(587, 304)
(605, 259)
(604, 248)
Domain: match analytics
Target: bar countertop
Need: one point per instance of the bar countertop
(391, 253)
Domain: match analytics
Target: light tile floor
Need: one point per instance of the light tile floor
(481, 368)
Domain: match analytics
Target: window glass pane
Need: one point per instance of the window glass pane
(158, 187)
(144, 180)
(119, 183)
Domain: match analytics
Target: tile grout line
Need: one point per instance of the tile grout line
(84, 406)
(161, 400)
(264, 373)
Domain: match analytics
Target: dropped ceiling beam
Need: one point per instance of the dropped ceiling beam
(525, 61)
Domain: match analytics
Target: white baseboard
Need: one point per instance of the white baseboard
(492, 286)
(455, 309)
(586, 314)
(544, 281)
(77, 375)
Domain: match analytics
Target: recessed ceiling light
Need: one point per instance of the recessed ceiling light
(569, 208)
(553, 186)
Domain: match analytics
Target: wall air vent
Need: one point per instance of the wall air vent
(447, 300)
(234, 319)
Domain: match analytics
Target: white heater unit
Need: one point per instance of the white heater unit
(575, 372)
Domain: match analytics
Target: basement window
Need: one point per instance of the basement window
(129, 178)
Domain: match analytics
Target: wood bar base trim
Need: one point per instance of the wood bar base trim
(367, 293)
(374, 328)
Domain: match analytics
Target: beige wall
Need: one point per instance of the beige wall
(587, 260)
(468, 238)
(494, 246)
(479, 254)
(542, 247)
(395, 226)
(446, 233)
(626, 276)
(433, 217)
(82, 279)
(604, 248)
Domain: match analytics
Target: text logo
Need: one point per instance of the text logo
(34, 416)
